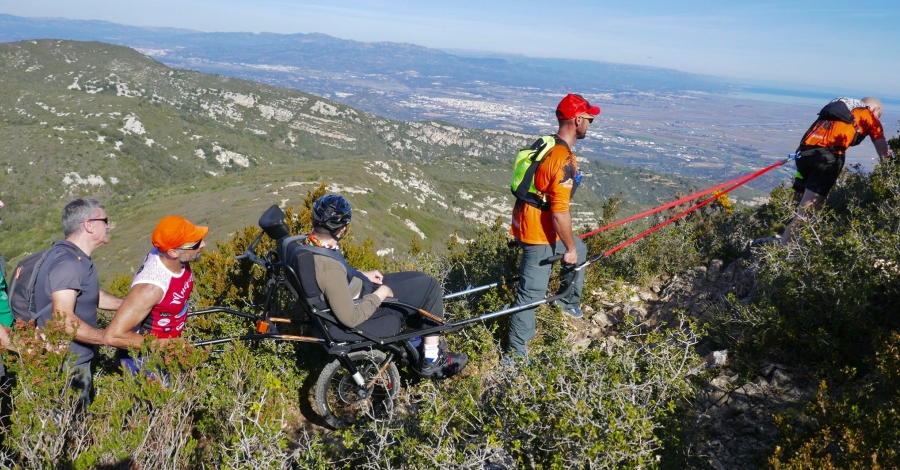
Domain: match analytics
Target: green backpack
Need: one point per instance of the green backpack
(527, 162)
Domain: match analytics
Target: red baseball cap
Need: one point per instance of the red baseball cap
(174, 231)
(573, 106)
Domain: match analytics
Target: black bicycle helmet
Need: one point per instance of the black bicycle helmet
(332, 212)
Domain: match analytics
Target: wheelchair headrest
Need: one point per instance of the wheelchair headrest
(272, 222)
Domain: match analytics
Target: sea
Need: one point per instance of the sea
(863, 154)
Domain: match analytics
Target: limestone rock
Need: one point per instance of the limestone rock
(581, 344)
(603, 320)
(638, 312)
(780, 377)
(712, 273)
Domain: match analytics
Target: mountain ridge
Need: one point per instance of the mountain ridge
(91, 119)
(665, 120)
(244, 47)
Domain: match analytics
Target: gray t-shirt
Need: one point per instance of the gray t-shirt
(67, 267)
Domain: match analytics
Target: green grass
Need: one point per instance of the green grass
(53, 132)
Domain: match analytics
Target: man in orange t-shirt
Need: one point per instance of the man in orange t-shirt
(544, 233)
(843, 123)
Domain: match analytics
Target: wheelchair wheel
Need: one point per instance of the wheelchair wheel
(338, 398)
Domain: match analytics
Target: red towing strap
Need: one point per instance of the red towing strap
(737, 182)
(733, 184)
(729, 187)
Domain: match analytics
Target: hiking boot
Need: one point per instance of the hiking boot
(515, 358)
(770, 240)
(574, 312)
(445, 366)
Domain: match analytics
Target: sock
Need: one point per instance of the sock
(431, 352)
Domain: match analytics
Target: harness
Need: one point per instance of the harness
(839, 110)
(300, 258)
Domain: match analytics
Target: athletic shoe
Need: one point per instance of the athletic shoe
(574, 312)
(445, 366)
(770, 240)
(515, 359)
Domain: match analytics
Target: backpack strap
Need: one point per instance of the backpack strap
(300, 258)
(306, 271)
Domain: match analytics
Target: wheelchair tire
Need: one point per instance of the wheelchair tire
(337, 397)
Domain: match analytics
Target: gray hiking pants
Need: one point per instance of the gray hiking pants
(83, 381)
(533, 280)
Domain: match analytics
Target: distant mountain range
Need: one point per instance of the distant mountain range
(659, 119)
(406, 65)
(92, 119)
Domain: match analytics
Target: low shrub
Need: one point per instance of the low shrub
(603, 407)
(141, 420)
(231, 409)
(615, 404)
(854, 426)
(825, 305)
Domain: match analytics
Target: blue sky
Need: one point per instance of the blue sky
(824, 44)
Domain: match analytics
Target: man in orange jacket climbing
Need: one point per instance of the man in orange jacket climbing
(842, 123)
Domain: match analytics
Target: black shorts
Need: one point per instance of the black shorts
(818, 170)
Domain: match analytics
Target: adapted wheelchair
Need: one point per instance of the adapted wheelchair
(363, 380)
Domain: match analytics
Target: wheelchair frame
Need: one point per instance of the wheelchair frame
(363, 379)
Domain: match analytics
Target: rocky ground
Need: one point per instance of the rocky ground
(734, 413)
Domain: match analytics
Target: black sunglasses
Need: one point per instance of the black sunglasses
(192, 246)
(105, 220)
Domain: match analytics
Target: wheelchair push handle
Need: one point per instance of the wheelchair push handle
(552, 259)
(250, 252)
(578, 267)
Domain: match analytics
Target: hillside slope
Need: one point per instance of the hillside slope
(91, 119)
(668, 121)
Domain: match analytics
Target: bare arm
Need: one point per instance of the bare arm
(881, 147)
(4, 338)
(109, 301)
(562, 223)
(383, 292)
(64, 303)
(135, 307)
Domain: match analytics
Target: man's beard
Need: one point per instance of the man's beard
(189, 258)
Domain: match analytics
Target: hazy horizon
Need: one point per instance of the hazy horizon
(770, 42)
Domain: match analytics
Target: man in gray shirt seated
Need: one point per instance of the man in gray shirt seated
(67, 285)
(340, 284)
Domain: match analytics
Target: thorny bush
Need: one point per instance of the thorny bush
(826, 305)
(607, 406)
(602, 407)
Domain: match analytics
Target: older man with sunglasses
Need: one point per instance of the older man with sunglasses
(157, 304)
(67, 285)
